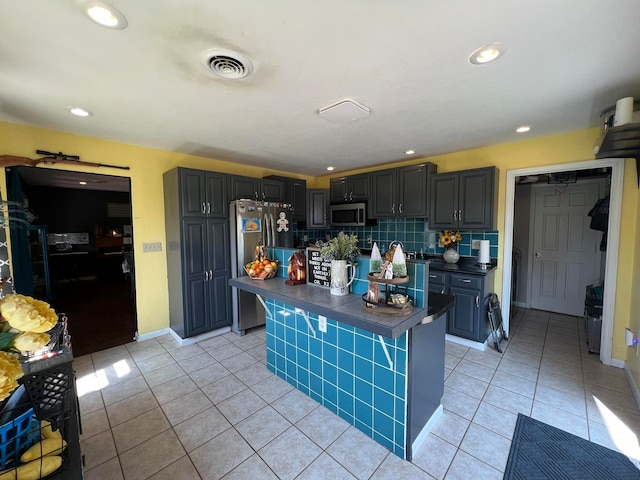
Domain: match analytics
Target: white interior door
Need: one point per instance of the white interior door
(566, 252)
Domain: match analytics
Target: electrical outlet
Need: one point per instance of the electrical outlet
(152, 247)
(475, 244)
(305, 238)
(322, 323)
(369, 240)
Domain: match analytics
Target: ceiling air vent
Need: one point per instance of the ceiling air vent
(227, 64)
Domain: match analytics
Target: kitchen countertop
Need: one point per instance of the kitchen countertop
(346, 309)
(463, 266)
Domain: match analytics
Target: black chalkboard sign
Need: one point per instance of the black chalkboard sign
(318, 271)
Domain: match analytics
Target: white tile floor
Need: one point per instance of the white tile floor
(154, 410)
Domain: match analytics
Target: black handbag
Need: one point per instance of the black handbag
(600, 215)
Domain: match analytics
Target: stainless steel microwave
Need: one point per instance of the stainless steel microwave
(348, 215)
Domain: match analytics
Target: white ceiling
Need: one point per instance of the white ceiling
(567, 60)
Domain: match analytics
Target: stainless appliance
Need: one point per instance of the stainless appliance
(348, 215)
(255, 223)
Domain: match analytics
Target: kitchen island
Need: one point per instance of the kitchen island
(382, 374)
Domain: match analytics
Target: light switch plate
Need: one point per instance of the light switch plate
(475, 244)
(152, 247)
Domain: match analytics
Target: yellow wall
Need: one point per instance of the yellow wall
(633, 360)
(552, 150)
(147, 166)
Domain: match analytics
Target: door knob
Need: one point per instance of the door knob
(538, 254)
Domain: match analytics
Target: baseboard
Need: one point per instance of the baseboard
(154, 334)
(521, 304)
(632, 384)
(466, 342)
(183, 342)
(424, 433)
(617, 363)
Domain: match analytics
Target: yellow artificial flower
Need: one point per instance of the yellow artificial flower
(27, 314)
(30, 341)
(10, 372)
(449, 238)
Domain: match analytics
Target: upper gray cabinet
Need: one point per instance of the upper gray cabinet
(464, 200)
(295, 193)
(401, 192)
(252, 188)
(353, 188)
(202, 193)
(317, 208)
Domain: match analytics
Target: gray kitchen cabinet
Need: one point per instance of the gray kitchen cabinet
(295, 193)
(352, 188)
(317, 204)
(253, 188)
(401, 192)
(202, 193)
(198, 264)
(468, 316)
(464, 200)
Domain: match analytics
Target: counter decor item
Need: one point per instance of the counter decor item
(376, 258)
(342, 252)
(449, 239)
(262, 269)
(297, 270)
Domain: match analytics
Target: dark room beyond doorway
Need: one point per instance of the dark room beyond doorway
(86, 243)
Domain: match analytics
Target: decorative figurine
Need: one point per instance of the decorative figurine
(297, 268)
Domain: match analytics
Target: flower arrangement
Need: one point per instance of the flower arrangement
(449, 238)
(23, 328)
(342, 247)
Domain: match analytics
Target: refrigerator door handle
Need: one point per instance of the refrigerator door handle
(267, 231)
(272, 229)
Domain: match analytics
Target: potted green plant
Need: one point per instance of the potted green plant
(342, 252)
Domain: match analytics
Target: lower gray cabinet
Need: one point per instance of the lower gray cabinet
(202, 304)
(468, 317)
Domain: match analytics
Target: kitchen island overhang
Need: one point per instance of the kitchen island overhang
(384, 375)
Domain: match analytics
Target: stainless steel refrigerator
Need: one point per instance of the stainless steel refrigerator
(254, 223)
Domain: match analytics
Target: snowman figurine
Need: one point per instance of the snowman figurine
(283, 222)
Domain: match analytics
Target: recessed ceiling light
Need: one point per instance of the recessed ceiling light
(487, 54)
(330, 168)
(104, 14)
(410, 152)
(79, 112)
(523, 129)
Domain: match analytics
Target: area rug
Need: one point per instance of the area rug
(540, 452)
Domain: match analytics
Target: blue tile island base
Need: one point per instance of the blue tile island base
(389, 387)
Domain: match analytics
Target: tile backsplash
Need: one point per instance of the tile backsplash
(414, 233)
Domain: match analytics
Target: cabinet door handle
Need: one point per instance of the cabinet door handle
(210, 274)
(455, 215)
(208, 208)
(459, 215)
(204, 208)
(465, 281)
(432, 276)
(345, 196)
(393, 208)
(442, 291)
(477, 301)
(350, 196)
(400, 208)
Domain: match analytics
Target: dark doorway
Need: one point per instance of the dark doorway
(85, 248)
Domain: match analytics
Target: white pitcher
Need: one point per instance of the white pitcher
(340, 281)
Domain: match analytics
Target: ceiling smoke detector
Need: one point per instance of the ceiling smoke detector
(227, 64)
